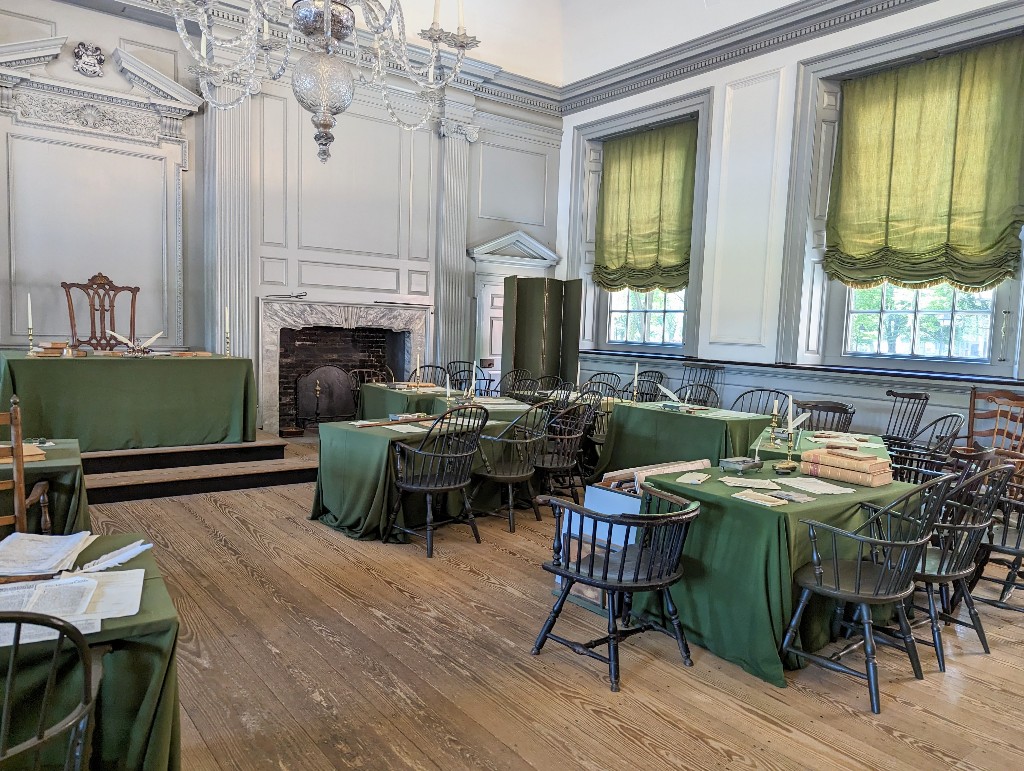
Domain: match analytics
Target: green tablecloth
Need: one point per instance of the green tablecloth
(643, 434)
(766, 451)
(737, 595)
(498, 408)
(377, 401)
(69, 507)
(355, 484)
(137, 722)
(111, 403)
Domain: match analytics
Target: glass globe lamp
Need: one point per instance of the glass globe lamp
(324, 85)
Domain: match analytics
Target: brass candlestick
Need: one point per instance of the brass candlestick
(787, 466)
(227, 341)
(30, 345)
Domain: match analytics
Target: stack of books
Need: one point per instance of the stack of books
(51, 349)
(30, 452)
(859, 468)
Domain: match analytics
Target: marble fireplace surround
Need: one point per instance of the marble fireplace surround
(276, 315)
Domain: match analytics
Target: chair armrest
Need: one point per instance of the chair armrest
(39, 491)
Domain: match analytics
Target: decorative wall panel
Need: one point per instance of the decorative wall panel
(513, 185)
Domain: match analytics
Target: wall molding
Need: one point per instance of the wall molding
(516, 249)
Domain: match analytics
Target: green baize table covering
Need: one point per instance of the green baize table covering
(805, 441)
(642, 434)
(377, 401)
(113, 403)
(355, 484)
(737, 594)
(136, 722)
(69, 507)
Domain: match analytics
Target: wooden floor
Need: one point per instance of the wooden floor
(303, 649)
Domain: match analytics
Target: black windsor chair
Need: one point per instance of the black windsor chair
(825, 416)
(610, 379)
(594, 400)
(562, 396)
(948, 561)
(429, 373)
(650, 561)
(562, 447)
(527, 390)
(702, 374)
(508, 383)
(935, 438)
(872, 565)
(465, 375)
(549, 382)
(1004, 545)
(442, 463)
(699, 394)
(510, 459)
(361, 377)
(33, 731)
(761, 400)
(644, 390)
(907, 411)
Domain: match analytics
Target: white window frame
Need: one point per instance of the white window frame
(641, 347)
(813, 308)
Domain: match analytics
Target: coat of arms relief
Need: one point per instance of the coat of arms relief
(88, 59)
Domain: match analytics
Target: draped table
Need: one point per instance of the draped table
(112, 403)
(69, 507)
(377, 401)
(641, 434)
(866, 443)
(737, 594)
(136, 722)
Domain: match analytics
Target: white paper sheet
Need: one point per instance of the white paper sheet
(408, 429)
(750, 484)
(815, 485)
(693, 478)
(755, 497)
(23, 554)
(118, 594)
(62, 597)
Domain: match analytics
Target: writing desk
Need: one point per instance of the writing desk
(113, 403)
(69, 507)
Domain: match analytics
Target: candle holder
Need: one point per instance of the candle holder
(227, 341)
(787, 466)
(30, 344)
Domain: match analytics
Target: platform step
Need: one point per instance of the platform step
(189, 480)
(266, 447)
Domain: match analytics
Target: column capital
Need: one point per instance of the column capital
(448, 128)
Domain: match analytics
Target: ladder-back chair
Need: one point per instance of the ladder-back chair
(101, 295)
(996, 419)
(40, 490)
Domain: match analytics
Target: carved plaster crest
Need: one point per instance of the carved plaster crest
(88, 59)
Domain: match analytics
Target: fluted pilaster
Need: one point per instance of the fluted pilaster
(227, 229)
(453, 308)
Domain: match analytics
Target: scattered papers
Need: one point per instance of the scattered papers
(788, 495)
(693, 478)
(815, 485)
(62, 597)
(755, 497)
(756, 484)
(406, 429)
(118, 594)
(25, 554)
(361, 422)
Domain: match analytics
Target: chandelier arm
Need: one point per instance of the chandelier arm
(378, 20)
(395, 117)
(204, 88)
(203, 19)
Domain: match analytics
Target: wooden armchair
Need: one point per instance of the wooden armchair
(40, 491)
(101, 294)
(996, 420)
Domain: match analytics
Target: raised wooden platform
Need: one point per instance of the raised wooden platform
(128, 475)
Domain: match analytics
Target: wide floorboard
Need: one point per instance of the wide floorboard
(303, 649)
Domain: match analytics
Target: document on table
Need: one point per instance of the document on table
(26, 554)
(815, 485)
(62, 597)
(757, 484)
(407, 429)
(755, 497)
(693, 478)
(118, 594)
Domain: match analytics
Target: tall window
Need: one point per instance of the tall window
(938, 323)
(646, 318)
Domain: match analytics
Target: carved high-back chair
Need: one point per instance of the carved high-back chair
(40, 491)
(101, 294)
(996, 419)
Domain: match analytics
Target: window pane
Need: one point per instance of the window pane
(974, 301)
(617, 328)
(617, 301)
(675, 301)
(971, 334)
(866, 299)
(656, 328)
(635, 328)
(937, 298)
(637, 301)
(657, 300)
(898, 299)
(674, 328)
(897, 334)
(933, 331)
(862, 336)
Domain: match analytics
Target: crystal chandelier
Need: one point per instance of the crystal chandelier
(322, 80)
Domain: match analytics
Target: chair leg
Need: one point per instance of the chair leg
(552, 617)
(869, 653)
(627, 608)
(575, 497)
(392, 517)
(430, 525)
(909, 642)
(975, 618)
(794, 624)
(467, 513)
(673, 616)
(533, 498)
(933, 614)
(613, 645)
(511, 512)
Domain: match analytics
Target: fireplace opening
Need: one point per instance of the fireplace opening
(313, 366)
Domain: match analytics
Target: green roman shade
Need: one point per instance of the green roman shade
(928, 185)
(645, 210)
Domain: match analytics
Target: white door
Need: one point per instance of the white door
(490, 305)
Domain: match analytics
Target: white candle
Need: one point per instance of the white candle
(447, 386)
(636, 374)
(227, 321)
(462, 17)
(775, 408)
(789, 425)
(437, 12)
(417, 373)
(30, 310)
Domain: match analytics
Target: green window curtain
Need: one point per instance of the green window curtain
(928, 184)
(645, 210)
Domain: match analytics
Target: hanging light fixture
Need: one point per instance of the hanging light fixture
(322, 80)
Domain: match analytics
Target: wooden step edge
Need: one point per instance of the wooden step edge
(185, 473)
(185, 448)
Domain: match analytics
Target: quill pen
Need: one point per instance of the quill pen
(115, 558)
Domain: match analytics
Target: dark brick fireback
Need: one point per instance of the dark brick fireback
(303, 350)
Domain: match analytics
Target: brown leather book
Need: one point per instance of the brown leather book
(846, 475)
